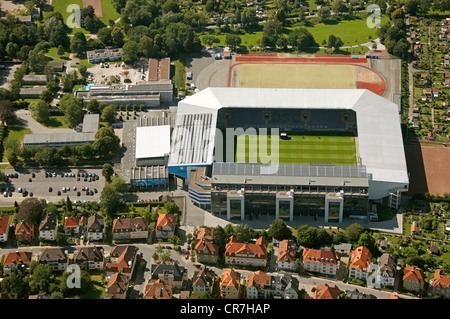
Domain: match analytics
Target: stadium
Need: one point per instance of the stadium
(327, 153)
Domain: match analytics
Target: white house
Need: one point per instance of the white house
(387, 264)
(95, 228)
(48, 227)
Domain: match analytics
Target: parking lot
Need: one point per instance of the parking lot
(58, 184)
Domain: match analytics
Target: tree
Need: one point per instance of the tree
(279, 230)
(107, 171)
(30, 211)
(130, 52)
(200, 295)
(40, 279)
(301, 39)
(331, 41)
(7, 114)
(110, 199)
(338, 6)
(368, 241)
(12, 49)
(104, 35)
(85, 284)
(13, 148)
(117, 37)
(93, 106)
(72, 109)
(307, 236)
(220, 238)
(40, 111)
(242, 233)
(324, 13)
(272, 30)
(353, 232)
(78, 43)
(171, 208)
(109, 114)
(15, 284)
(233, 40)
(338, 43)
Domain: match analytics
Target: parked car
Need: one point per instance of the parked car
(50, 189)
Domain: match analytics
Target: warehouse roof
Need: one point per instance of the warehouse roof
(152, 141)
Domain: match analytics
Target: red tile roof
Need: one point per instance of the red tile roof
(259, 249)
(286, 251)
(360, 258)
(17, 258)
(4, 221)
(413, 273)
(24, 229)
(165, 220)
(71, 222)
(158, 290)
(258, 279)
(320, 256)
(327, 292)
(229, 278)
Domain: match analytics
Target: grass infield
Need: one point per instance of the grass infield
(299, 148)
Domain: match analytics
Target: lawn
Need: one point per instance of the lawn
(303, 149)
(351, 32)
(55, 122)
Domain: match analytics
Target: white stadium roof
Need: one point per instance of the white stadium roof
(379, 132)
(152, 141)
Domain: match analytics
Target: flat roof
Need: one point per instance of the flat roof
(152, 141)
(51, 138)
(91, 123)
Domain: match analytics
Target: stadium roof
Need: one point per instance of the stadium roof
(379, 132)
(152, 141)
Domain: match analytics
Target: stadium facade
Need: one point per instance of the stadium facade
(243, 190)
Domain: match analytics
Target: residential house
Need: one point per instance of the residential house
(158, 290)
(230, 284)
(18, 260)
(440, 285)
(4, 228)
(204, 233)
(56, 258)
(203, 280)
(34, 79)
(71, 226)
(165, 226)
(356, 294)
(90, 257)
(117, 286)
(24, 232)
(286, 254)
(327, 292)
(387, 264)
(123, 259)
(130, 228)
(172, 274)
(321, 261)
(96, 228)
(285, 287)
(360, 259)
(343, 249)
(206, 251)
(258, 285)
(413, 279)
(435, 92)
(246, 254)
(48, 227)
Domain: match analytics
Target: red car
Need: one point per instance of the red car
(187, 256)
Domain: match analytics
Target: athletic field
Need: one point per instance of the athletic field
(301, 149)
(297, 74)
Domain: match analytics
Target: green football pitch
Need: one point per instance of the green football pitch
(299, 149)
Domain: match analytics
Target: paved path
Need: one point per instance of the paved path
(25, 117)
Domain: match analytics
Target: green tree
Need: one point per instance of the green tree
(279, 230)
(242, 233)
(85, 284)
(107, 171)
(109, 114)
(40, 111)
(301, 39)
(324, 13)
(40, 279)
(130, 52)
(353, 232)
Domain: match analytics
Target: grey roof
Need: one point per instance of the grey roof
(32, 91)
(53, 138)
(173, 269)
(49, 222)
(95, 223)
(52, 255)
(91, 123)
(289, 174)
(34, 78)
